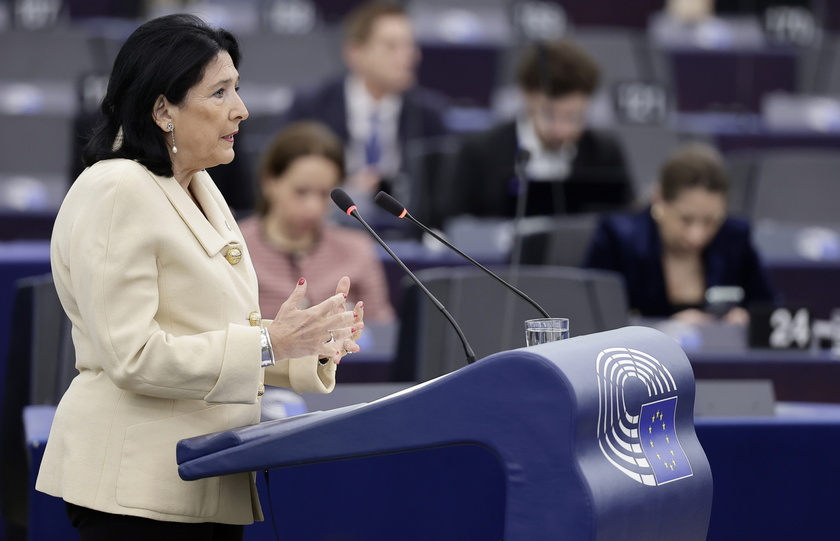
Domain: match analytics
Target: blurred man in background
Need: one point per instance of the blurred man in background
(548, 155)
(375, 108)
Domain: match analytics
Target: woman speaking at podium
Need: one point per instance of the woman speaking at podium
(152, 271)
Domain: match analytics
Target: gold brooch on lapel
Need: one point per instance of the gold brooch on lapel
(234, 256)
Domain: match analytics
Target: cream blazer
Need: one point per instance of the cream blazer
(163, 345)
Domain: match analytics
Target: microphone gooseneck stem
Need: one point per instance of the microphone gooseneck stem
(521, 295)
(522, 157)
(521, 208)
(467, 349)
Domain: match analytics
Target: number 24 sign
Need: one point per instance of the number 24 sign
(790, 329)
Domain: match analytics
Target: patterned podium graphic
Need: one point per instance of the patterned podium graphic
(636, 417)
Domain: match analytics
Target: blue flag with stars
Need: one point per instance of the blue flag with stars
(658, 436)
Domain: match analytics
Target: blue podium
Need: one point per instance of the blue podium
(588, 438)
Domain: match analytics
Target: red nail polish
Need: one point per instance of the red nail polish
(345, 295)
(352, 330)
(301, 281)
(355, 316)
(361, 304)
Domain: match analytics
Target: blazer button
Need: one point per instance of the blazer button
(234, 256)
(255, 319)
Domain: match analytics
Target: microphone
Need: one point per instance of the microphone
(345, 203)
(522, 158)
(391, 205)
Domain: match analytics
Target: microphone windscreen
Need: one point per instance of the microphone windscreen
(390, 204)
(522, 156)
(342, 200)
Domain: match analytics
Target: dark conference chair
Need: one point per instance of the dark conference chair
(427, 165)
(39, 368)
(491, 318)
(796, 185)
(34, 168)
(59, 53)
(561, 240)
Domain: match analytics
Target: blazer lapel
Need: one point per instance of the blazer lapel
(208, 236)
(215, 209)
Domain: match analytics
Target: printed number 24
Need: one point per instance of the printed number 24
(789, 328)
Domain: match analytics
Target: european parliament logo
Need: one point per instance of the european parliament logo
(636, 417)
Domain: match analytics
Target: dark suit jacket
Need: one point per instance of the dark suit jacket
(630, 244)
(421, 115)
(420, 121)
(483, 181)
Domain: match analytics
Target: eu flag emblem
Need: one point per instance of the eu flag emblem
(658, 435)
(636, 431)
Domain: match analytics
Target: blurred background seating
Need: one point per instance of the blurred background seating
(794, 185)
(470, 49)
(770, 92)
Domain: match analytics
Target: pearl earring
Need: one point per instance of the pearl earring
(656, 211)
(171, 129)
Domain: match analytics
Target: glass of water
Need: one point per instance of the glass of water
(544, 330)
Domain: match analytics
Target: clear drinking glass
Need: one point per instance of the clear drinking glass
(544, 330)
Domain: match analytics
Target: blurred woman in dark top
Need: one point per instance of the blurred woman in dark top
(684, 247)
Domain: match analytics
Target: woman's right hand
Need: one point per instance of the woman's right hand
(318, 330)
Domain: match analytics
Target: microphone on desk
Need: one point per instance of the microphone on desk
(345, 203)
(391, 205)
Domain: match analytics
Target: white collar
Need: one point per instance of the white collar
(544, 164)
(360, 100)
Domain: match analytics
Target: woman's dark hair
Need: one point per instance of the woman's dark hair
(165, 56)
(694, 165)
(557, 69)
(296, 141)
